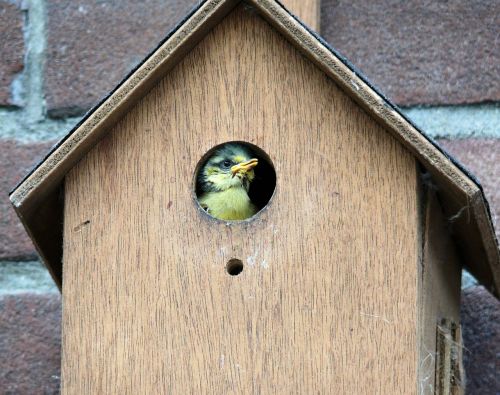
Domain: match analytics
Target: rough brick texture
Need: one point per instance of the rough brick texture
(482, 158)
(445, 52)
(15, 161)
(420, 52)
(30, 340)
(11, 47)
(92, 44)
(30, 344)
(481, 333)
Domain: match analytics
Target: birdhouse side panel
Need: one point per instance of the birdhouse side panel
(439, 303)
(327, 298)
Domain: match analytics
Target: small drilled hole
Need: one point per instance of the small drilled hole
(234, 267)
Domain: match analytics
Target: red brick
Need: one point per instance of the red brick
(420, 52)
(92, 44)
(11, 47)
(16, 159)
(482, 158)
(481, 333)
(30, 340)
(30, 344)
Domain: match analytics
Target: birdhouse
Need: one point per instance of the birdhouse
(343, 277)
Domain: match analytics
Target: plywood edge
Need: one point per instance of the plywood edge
(167, 55)
(487, 232)
(461, 188)
(51, 171)
(366, 96)
(438, 288)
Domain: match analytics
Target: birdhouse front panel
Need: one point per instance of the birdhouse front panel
(316, 293)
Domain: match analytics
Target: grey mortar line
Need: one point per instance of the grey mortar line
(455, 122)
(20, 277)
(33, 277)
(35, 41)
(14, 127)
(29, 123)
(468, 280)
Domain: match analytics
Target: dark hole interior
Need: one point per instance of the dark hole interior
(234, 266)
(262, 188)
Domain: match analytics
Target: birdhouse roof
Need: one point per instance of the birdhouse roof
(38, 198)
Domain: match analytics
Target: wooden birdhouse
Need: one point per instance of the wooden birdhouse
(346, 280)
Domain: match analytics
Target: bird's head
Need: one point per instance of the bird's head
(230, 166)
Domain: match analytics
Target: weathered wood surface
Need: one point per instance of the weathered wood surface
(308, 11)
(460, 194)
(440, 277)
(327, 298)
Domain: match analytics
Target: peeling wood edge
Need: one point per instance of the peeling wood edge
(115, 106)
(364, 95)
(464, 189)
(450, 375)
(487, 233)
(52, 170)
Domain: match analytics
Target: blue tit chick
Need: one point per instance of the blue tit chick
(224, 181)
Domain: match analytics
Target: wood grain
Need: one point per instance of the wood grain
(459, 192)
(308, 11)
(464, 199)
(439, 289)
(327, 298)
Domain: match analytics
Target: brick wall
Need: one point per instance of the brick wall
(440, 61)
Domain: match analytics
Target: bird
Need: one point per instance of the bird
(224, 181)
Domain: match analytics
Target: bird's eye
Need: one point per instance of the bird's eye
(226, 163)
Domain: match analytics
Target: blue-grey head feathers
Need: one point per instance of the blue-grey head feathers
(220, 163)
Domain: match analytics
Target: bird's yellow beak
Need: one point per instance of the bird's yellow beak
(244, 166)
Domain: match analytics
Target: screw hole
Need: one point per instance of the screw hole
(234, 267)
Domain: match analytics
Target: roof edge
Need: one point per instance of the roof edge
(460, 188)
(449, 173)
(172, 48)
